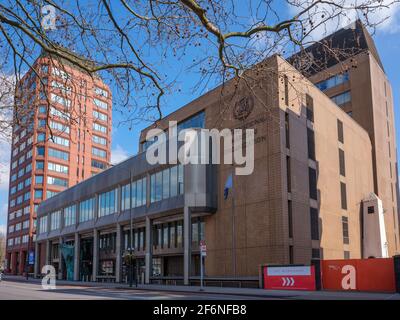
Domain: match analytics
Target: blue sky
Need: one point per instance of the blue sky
(125, 141)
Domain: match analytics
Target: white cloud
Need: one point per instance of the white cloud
(118, 154)
(385, 14)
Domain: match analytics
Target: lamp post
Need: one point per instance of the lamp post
(27, 257)
(131, 248)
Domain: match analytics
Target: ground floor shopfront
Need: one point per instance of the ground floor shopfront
(101, 254)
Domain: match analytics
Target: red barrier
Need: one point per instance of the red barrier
(289, 278)
(375, 275)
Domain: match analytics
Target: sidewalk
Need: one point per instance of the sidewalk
(287, 294)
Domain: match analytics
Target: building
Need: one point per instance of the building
(312, 187)
(54, 147)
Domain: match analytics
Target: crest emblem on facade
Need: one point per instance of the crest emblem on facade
(243, 107)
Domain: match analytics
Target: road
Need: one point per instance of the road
(10, 290)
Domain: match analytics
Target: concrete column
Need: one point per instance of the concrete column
(37, 258)
(76, 256)
(187, 243)
(149, 250)
(60, 259)
(118, 249)
(95, 264)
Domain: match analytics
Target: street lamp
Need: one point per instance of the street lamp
(131, 248)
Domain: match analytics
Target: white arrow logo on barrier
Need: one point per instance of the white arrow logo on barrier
(287, 281)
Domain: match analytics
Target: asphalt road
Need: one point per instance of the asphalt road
(10, 290)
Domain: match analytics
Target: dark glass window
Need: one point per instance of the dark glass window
(312, 177)
(340, 131)
(310, 108)
(40, 151)
(371, 209)
(288, 175)
(286, 80)
(287, 130)
(345, 227)
(314, 224)
(343, 195)
(342, 164)
(311, 144)
(290, 218)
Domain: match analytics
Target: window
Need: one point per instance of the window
(343, 195)
(342, 166)
(38, 194)
(41, 137)
(42, 109)
(60, 73)
(57, 181)
(99, 127)
(139, 192)
(311, 144)
(50, 194)
(64, 89)
(99, 140)
(108, 203)
(39, 165)
(312, 176)
(99, 152)
(54, 153)
(55, 218)
(57, 167)
(346, 254)
(86, 210)
(286, 83)
(60, 114)
(340, 131)
(342, 98)
(43, 224)
(371, 209)
(39, 179)
(287, 132)
(310, 108)
(40, 151)
(314, 224)
(100, 92)
(345, 228)
(125, 195)
(69, 216)
(98, 164)
(288, 175)
(167, 183)
(41, 123)
(61, 100)
(59, 126)
(99, 116)
(61, 141)
(100, 104)
(333, 81)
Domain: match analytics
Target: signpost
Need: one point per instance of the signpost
(203, 253)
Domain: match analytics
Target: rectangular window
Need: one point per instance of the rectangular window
(333, 81)
(108, 203)
(311, 144)
(70, 216)
(61, 141)
(342, 166)
(59, 127)
(342, 98)
(310, 108)
(288, 175)
(99, 140)
(99, 152)
(55, 218)
(86, 210)
(99, 127)
(99, 116)
(57, 181)
(61, 100)
(286, 83)
(43, 224)
(287, 131)
(343, 195)
(57, 167)
(98, 164)
(100, 104)
(290, 218)
(345, 228)
(38, 194)
(100, 92)
(54, 153)
(340, 131)
(312, 176)
(125, 195)
(314, 224)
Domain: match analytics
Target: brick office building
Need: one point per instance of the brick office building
(312, 189)
(61, 136)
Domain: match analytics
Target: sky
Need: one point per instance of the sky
(125, 140)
